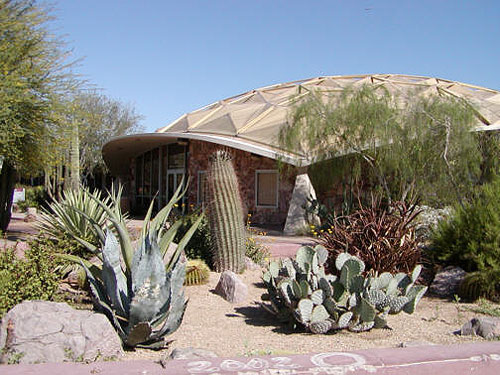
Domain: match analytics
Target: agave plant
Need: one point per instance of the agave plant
(139, 291)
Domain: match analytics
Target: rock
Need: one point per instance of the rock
(412, 344)
(297, 218)
(428, 219)
(31, 211)
(29, 218)
(251, 265)
(486, 327)
(231, 288)
(191, 353)
(447, 281)
(42, 331)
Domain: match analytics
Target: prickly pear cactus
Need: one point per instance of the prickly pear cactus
(301, 293)
(225, 214)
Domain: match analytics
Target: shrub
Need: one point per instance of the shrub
(383, 237)
(471, 239)
(29, 278)
(303, 294)
(200, 245)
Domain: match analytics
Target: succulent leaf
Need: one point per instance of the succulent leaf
(305, 308)
(320, 327)
(341, 259)
(319, 314)
(317, 297)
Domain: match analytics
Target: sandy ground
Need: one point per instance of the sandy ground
(246, 329)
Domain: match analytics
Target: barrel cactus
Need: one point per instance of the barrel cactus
(225, 214)
(301, 293)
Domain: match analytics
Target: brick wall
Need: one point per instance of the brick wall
(245, 164)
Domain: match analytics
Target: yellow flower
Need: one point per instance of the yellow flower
(176, 205)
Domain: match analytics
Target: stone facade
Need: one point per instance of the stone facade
(246, 164)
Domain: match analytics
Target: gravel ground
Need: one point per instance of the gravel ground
(246, 329)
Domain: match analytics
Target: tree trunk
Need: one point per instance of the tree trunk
(7, 180)
(74, 158)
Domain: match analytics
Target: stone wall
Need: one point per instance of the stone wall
(245, 164)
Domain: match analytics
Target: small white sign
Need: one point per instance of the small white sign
(19, 195)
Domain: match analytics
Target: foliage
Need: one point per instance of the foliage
(76, 215)
(29, 278)
(486, 307)
(225, 214)
(34, 73)
(140, 295)
(471, 239)
(382, 236)
(402, 146)
(197, 272)
(35, 196)
(302, 293)
(254, 250)
(200, 245)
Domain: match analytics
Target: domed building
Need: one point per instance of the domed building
(249, 125)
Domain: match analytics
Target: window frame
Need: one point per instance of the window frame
(266, 171)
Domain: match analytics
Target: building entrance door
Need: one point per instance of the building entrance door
(174, 178)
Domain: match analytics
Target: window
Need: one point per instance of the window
(202, 186)
(266, 188)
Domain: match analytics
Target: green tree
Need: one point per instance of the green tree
(34, 72)
(403, 146)
(102, 118)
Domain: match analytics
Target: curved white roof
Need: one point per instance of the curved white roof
(252, 121)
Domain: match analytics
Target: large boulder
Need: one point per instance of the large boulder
(447, 281)
(231, 288)
(486, 327)
(42, 331)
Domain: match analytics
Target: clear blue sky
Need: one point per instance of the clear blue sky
(172, 57)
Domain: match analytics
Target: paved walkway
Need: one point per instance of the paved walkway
(280, 246)
(481, 358)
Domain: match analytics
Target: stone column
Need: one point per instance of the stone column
(297, 219)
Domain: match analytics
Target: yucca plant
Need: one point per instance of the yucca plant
(139, 291)
(70, 217)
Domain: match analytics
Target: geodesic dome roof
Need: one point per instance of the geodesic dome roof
(258, 115)
(252, 121)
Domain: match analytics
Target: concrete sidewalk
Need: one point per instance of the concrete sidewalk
(482, 358)
(279, 246)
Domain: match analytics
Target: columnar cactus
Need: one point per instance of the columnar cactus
(301, 293)
(225, 214)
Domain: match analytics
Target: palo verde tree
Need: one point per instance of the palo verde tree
(91, 119)
(403, 146)
(34, 72)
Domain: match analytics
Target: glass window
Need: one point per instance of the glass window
(267, 188)
(155, 171)
(138, 174)
(175, 156)
(147, 173)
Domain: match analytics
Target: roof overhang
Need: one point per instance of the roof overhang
(119, 151)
